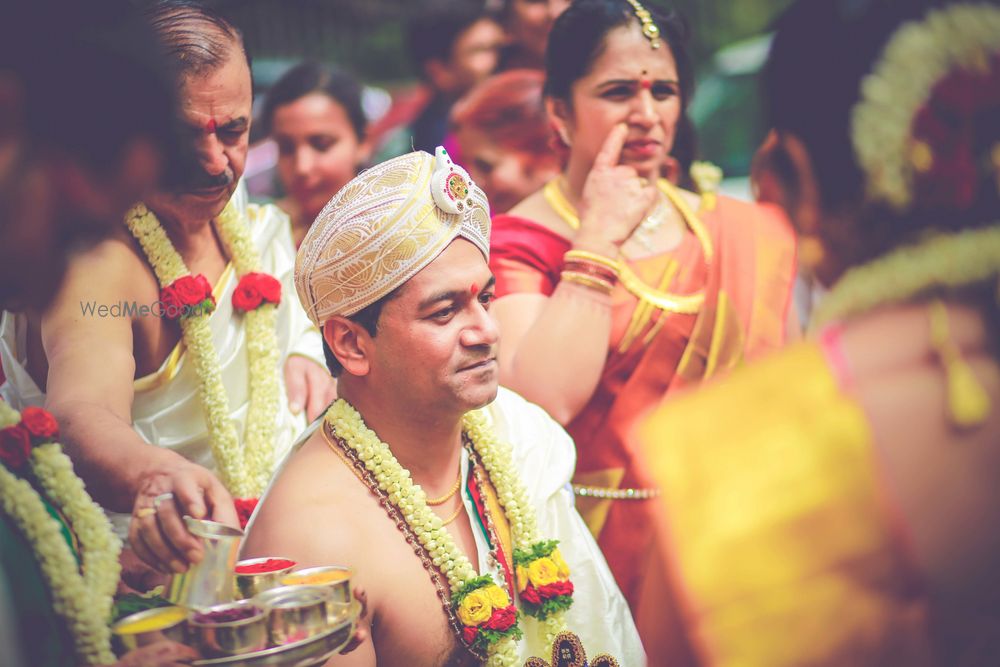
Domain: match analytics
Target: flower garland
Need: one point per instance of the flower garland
(245, 472)
(488, 617)
(84, 600)
(915, 59)
(942, 261)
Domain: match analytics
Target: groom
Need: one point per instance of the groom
(395, 272)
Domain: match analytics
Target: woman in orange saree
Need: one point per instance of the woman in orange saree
(617, 288)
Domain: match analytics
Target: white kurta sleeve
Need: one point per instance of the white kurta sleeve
(546, 457)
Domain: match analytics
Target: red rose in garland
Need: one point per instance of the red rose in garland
(530, 594)
(188, 295)
(246, 296)
(501, 619)
(40, 424)
(256, 289)
(469, 634)
(244, 509)
(556, 589)
(15, 446)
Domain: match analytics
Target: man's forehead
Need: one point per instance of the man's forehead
(224, 92)
(458, 267)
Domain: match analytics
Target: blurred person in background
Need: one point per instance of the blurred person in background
(527, 24)
(615, 288)
(67, 174)
(314, 115)
(454, 45)
(503, 135)
(837, 503)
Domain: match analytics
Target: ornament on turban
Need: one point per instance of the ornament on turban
(383, 227)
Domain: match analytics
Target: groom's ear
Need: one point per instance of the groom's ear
(350, 343)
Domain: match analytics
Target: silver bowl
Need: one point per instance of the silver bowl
(337, 578)
(210, 581)
(150, 626)
(221, 638)
(249, 584)
(295, 613)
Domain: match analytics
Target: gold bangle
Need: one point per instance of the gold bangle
(598, 284)
(582, 255)
(590, 269)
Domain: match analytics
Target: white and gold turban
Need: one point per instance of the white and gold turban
(385, 226)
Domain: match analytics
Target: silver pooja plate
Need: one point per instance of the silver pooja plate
(306, 653)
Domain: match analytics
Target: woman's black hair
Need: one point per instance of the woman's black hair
(312, 77)
(822, 51)
(577, 39)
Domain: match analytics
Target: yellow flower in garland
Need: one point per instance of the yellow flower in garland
(542, 572)
(522, 578)
(497, 596)
(557, 558)
(475, 608)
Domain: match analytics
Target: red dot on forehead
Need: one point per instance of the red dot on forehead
(474, 289)
(645, 82)
(210, 126)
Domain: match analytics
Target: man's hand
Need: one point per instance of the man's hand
(360, 634)
(160, 654)
(309, 385)
(157, 532)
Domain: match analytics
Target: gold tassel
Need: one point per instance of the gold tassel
(968, 403)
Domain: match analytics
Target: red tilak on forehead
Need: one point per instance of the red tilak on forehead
(210, 126)
(645, 82)
(474, 289)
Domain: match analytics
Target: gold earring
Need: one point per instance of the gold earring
(811, 251)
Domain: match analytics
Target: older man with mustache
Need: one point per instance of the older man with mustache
(163, 355)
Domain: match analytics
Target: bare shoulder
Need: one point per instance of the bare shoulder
(87, 329)
(316, 511)
(942, 477)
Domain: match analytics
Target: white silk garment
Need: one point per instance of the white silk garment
(545, 458)
(166, 410)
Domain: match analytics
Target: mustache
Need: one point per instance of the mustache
(185, 173)
(202, 180)
(486, 352)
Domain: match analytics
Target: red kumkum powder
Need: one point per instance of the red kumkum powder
(226, 615)
(270, 565)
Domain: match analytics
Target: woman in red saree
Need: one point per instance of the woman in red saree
(617, 288)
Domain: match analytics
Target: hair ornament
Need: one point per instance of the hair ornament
(912, 129)
(451, 185)
(650, 30)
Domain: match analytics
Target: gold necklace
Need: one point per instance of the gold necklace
(675, 303)
(447, 496)
(458, 510)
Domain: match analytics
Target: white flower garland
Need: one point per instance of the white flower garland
(943, 261)
(244, 472)
(916, 57)
(411, 501)
(83, 601)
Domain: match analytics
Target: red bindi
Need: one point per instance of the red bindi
(645, 83)
(210, 126)
(474, 289)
